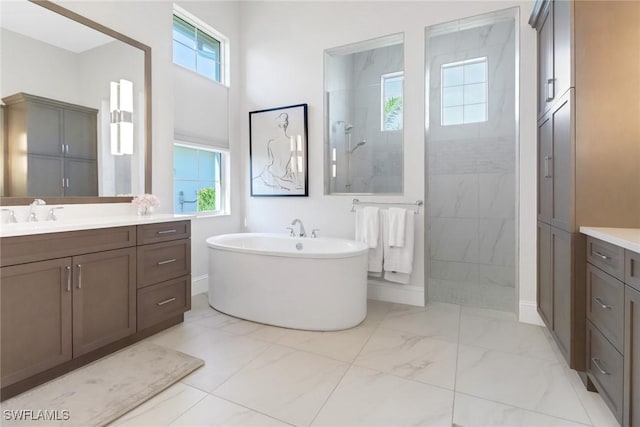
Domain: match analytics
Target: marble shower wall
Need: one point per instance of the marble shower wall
(354, 97)
(471, 178)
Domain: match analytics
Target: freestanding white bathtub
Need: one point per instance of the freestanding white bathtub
(307, 283)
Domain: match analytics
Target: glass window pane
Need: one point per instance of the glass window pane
(475, 73)
(207, 67)
(475, 113)
(475, 93)
(185, 196)
(185, 162)
(184, 56)
(206, 165)
(452, 76)
(184, 33)
(207, 197)
(452, 116)
(452, 96)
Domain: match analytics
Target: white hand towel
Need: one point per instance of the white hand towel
(368, 226)
(396, 227)
(398, 262)
(369, 231)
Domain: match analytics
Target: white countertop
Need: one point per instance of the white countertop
(628, 238)
(42, 227)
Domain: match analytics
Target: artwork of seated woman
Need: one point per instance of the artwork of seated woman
(280, 171)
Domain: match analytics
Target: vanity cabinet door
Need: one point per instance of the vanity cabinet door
(104, 298)
(545, 283)
(80, 133)
(81, 177)
(35, 318)
(562, 277)
(44, 129)
(632, 358)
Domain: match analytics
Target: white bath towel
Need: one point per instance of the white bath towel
(369, 231)
(398, 262)
(396, 227)
(368, 226)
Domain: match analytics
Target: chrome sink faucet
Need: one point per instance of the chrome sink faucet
(303, 233)
(32, 214)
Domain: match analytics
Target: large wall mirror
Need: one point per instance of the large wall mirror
(76, 107)
(364, 117)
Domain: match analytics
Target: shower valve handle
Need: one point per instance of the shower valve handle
(291, 233)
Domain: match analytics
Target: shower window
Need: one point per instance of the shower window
(464, 92)
(391, 97)
(198, 47)
(197, 179)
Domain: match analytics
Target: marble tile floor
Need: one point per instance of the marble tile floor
(440, 365)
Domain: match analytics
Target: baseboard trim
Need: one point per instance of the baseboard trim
(199, 284)
(401, 294)
(529, 313)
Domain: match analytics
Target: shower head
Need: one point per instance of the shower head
(359, 144)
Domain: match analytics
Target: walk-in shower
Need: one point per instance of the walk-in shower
(471, 147)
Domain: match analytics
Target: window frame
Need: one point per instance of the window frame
(208, 30)
(482, 59)
(383, 79)
(222, 198)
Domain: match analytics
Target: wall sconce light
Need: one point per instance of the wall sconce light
(121, 108)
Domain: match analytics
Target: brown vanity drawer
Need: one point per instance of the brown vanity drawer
(632, 269)
(163, 261)
(605, 305)
(605, 369)
(163, 301)
(607, 257)
(39, 247)
(163, 232)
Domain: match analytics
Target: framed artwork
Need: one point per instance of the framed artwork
(278, 151)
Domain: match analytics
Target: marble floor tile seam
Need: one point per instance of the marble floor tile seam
(190, 407)
(226, 399)
(578, 393)
(554, 363)
(521, 408)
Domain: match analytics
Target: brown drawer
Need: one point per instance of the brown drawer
(607, 257)
(163, 261)
(163, 301)
(605, 305)
(632, 269)
(605, 369)
(39, 247)
(163, 232)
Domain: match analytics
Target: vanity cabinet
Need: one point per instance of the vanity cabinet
(69, 298)
(51, 147)
(588, 169)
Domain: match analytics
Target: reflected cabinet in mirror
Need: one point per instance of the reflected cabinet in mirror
(76, 108)
(364, 117)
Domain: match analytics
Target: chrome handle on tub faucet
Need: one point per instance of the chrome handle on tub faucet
(52, 213)
(291, 233)
(314, 232)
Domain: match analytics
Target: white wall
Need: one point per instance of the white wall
(151, 24)
(283, 45)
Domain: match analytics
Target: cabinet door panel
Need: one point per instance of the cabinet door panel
(545, 171)
(561, 46)
(562, 277)
(632, 358)
(104, 298)
(545, 60)
(44, 176)
(80, 134)
(44, 129)
(562, 167)
(82, 176)
(35, 336)
(545, 285)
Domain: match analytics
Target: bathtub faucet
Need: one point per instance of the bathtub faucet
(302, 232)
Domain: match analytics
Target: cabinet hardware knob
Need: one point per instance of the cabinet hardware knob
(166, 231)
(550, 90)
(547, 173)
(169, 261)
(68, 278)
(601, 303)
(167, 301)
(596, 363)
(600, 255)
(79, 276)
